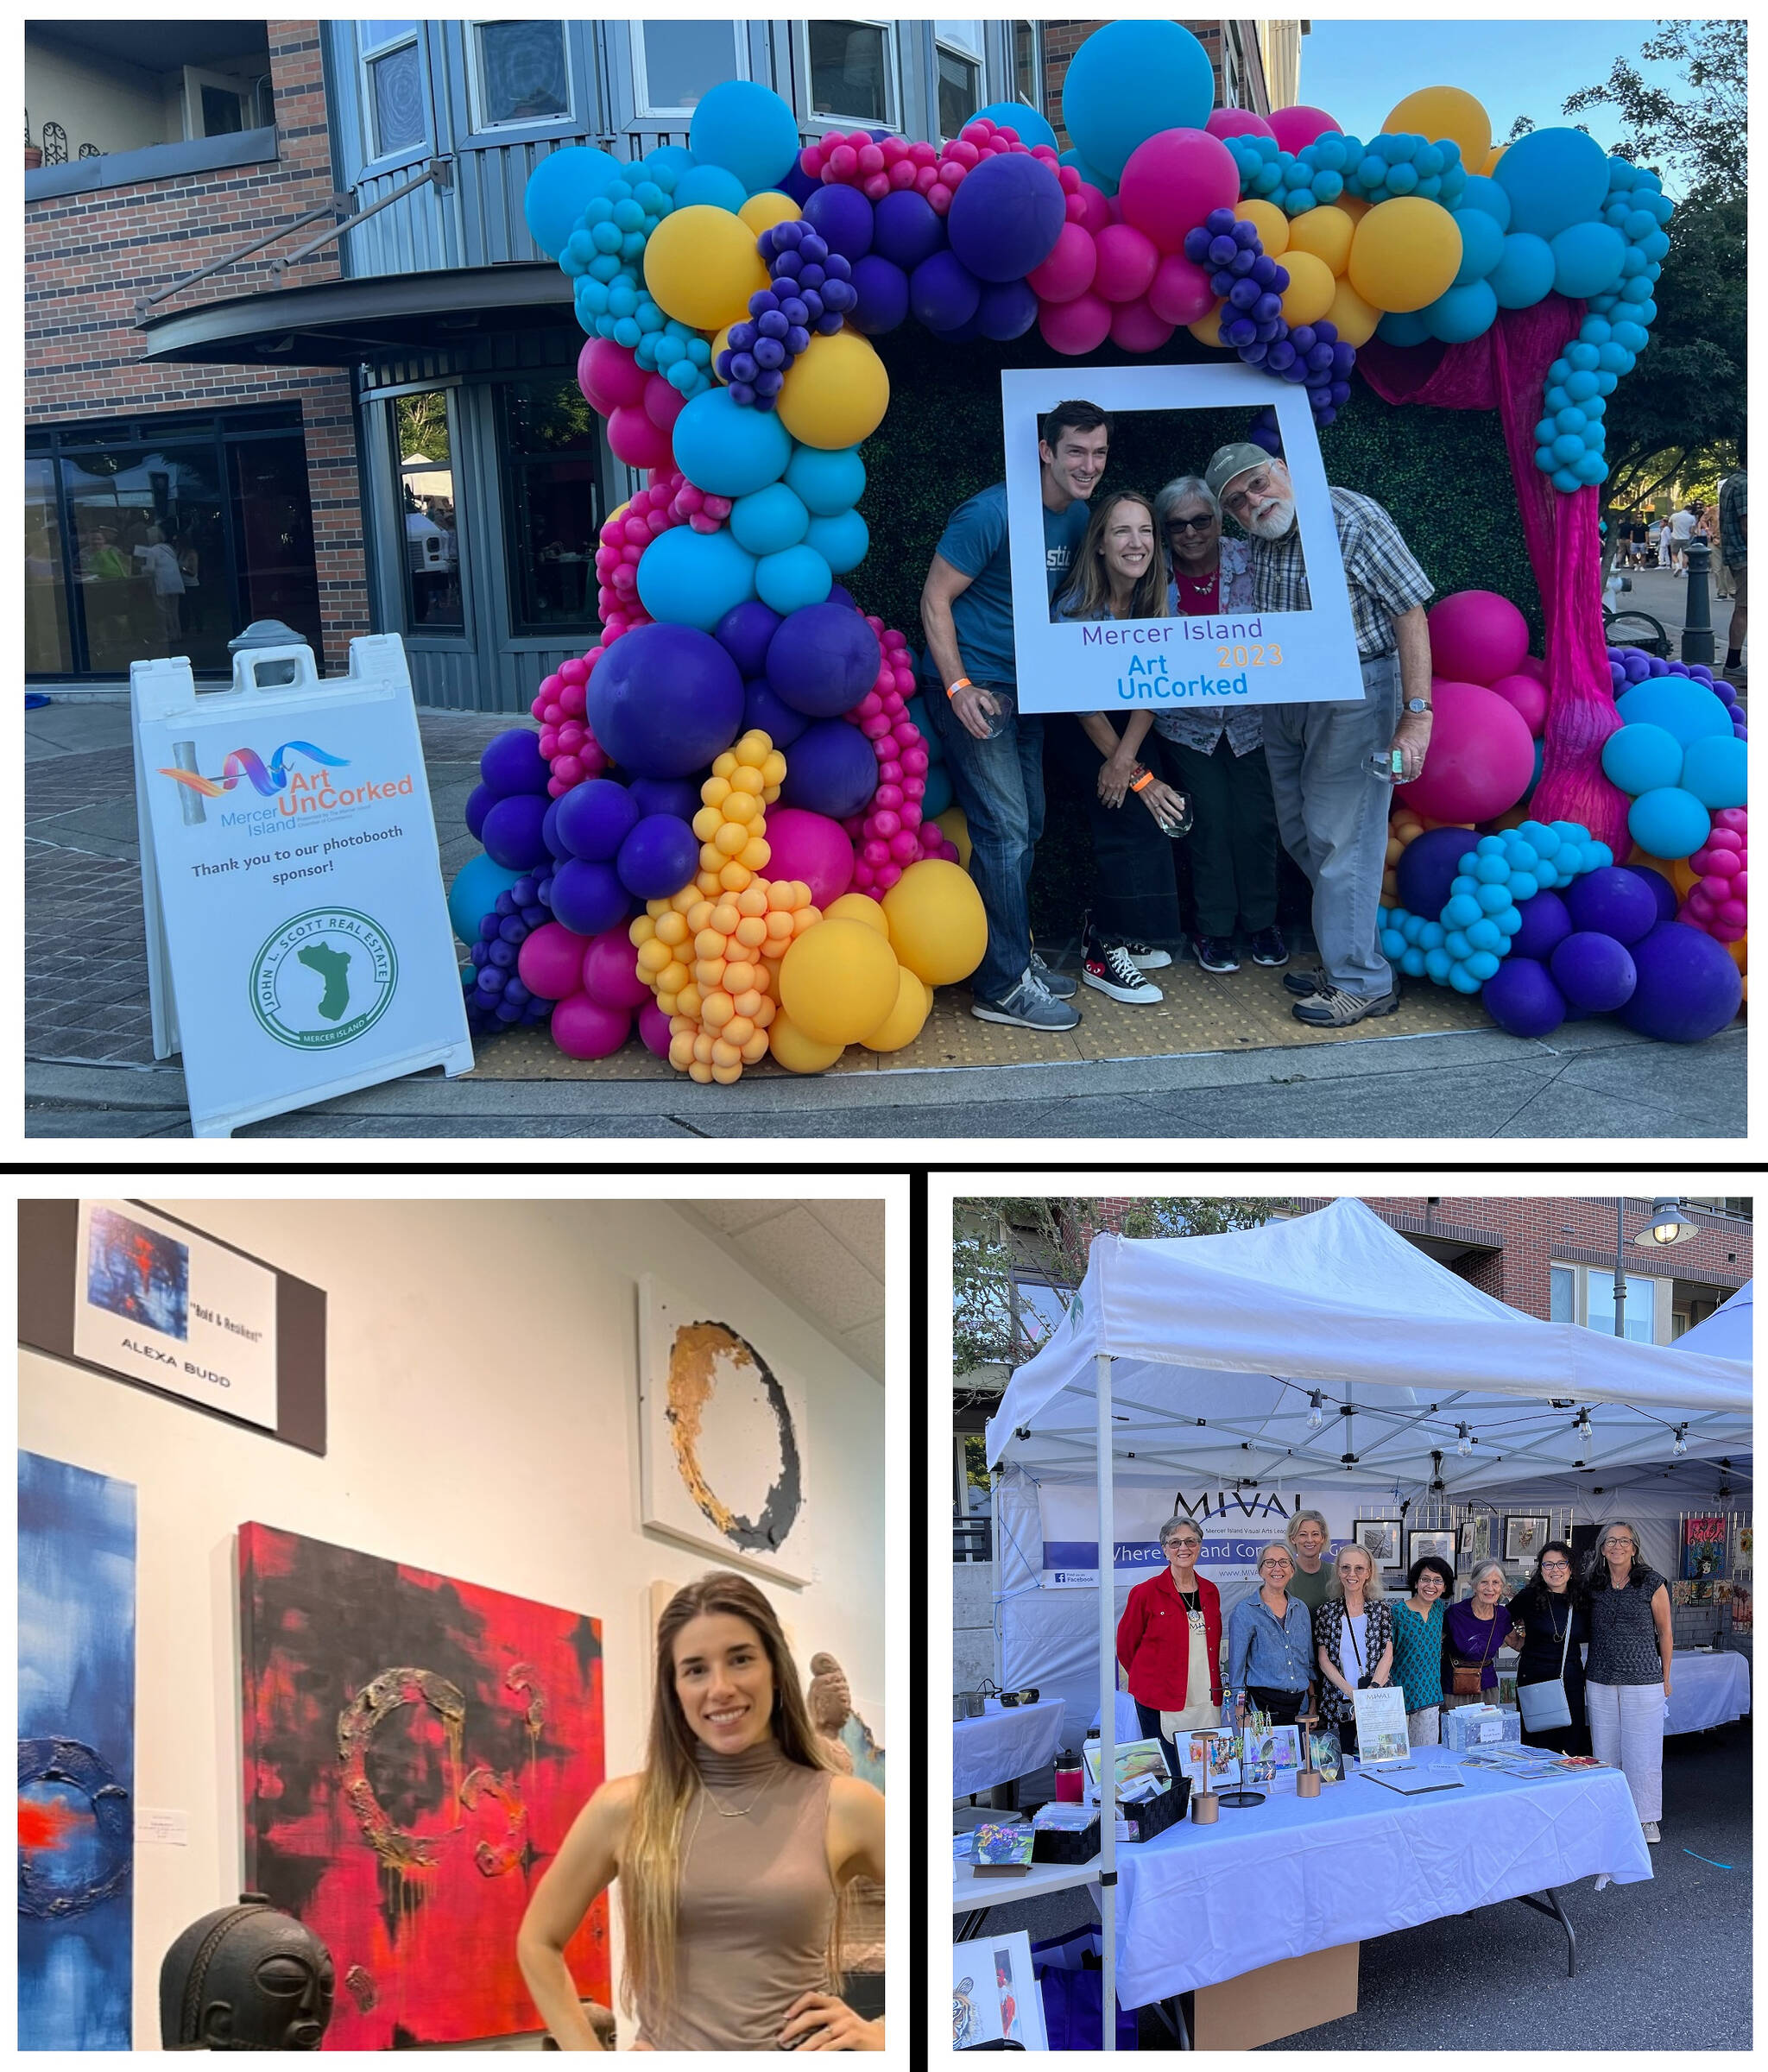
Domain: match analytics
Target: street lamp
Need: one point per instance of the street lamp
(1668, 1226)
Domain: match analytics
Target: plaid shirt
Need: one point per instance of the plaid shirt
(1734, 504)
(1381, 576)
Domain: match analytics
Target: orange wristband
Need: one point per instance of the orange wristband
(961, 684)
(1142, 782)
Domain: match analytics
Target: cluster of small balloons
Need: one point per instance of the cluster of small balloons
(812, 289)
(1251, 286)
(496, 997)
(877, 166)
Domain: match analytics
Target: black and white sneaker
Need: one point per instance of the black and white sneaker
(1215, 953)
(1145, 957)
(1107, 968)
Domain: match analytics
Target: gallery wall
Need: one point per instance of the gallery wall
(482, 1384)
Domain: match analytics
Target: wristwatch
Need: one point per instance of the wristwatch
(1417, 705)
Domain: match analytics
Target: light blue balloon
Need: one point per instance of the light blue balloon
(1404, 327)
(1717, 771)
(1482, 244)
(841, 542)
(474, 894)
(1412, 963)
(1029, 126)
(749, 130)
(1586, 259)
(787, 582)
(1554, 178)
(1106, 182)
(1678, 705)
(711, 187)
(1130, 79)
(693, 578)
(768, 520)
(1669, 822)
(727, 451)
(1482, 965)
(1484, 195)
(830, 481)
(1437, 965)
(1462, 977)
(1525, 274)
(1462, 314)
(672, 160)
(561, 188)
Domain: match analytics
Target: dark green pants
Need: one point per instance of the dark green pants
(1233, 839)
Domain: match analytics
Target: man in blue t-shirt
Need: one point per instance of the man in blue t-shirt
(995, 753)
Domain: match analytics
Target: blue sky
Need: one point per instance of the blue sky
(1356, 70)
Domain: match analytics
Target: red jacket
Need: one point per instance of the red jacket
(1154, 1642)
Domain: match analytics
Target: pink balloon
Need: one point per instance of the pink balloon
(1069, 270)
(1531, 665)
(581, 1028)
(1476, 636)
(1479, 759)
(1136, 328)
(1098, 209)
(1127, 262)
(637, 440)
(654, 1029)
(1296, 128)
(1173, 180)
(1237, 122)
(811, 846)
(610, 376)
(551, 961)
(1074, 328)
(1180, 292)
(610, 971)
(663, 403)
(1529, 695)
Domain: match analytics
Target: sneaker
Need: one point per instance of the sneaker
(1145, 957)
(1651, 1828)
(1057, 984)
(1333, 1008)
(1029, 1005)
(1268, 947)
(1107, 968)
(1304, 982)
(1215, 953)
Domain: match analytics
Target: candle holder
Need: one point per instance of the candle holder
(1307, 1779)
(1206, 1807)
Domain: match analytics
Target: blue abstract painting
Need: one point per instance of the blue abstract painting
(139, 1274)
(76, 1756)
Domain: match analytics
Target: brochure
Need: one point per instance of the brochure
(1381, 1718)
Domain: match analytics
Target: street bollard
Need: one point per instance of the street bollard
(1697, 611)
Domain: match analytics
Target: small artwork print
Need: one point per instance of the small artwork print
(1703, 1542)
(1525, 1535)
(138, 1274)
(1379, 1538)
(1016, 1988)
(1475, 1539)
(1327, 1756)
(1210, 1757)
(1441, 1544)
(975, 2003)
(1267, 1750)
(994, 1842)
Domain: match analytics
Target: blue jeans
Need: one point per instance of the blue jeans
(999, 785)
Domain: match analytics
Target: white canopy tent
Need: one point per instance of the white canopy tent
(1206, 1357)
(1727, 1331)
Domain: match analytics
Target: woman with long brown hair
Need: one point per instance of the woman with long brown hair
(732, 1847)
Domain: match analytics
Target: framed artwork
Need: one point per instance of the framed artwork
(1525, 1535)
(996, 1842)
(1380, 1717)
(1265, 1752)
(1016, 1987)
(1327, 1757)
(1418, 1544)
(415, 1750)
(1475, 1539)
(1133, 1759)
(76, 1756)
(1210, 1757)
(1380, 1536)
(722, 1451)
(975, 2001)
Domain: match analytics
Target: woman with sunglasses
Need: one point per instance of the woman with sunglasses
(1270, 1642)
(1549, 1624)
(1168, 1643)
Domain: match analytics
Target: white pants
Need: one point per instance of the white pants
(1626, 1730)
(1421, 1727)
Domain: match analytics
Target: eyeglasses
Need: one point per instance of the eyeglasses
(1191, 525)
(1184, 1543)
(1555, 1565)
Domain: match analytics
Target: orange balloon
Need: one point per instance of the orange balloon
(1206, 331)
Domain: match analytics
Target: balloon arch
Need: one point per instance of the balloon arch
(733, 825)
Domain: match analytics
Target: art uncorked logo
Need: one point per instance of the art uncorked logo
(323, 978)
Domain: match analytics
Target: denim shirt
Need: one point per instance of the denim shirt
(1260, 1650)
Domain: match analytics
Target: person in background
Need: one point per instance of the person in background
(1308, 1539)
(1628, 1688)
(994, 751)
(1353, 1640)
(1168, 1643)
(159, 563)
(101, 558)
(1549, 1607)
(1269, 1637)
(1636, 540)
(1664, 536)
(1417, 1647)
(1733, 545)
(1682, 530)
(1219, 748)
(1476, 1635)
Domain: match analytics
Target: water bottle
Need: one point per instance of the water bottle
(1387, 764)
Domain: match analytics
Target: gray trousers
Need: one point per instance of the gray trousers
(1332, 814)
(1627, 1732)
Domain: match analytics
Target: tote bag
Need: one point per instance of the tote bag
(1546, 1704)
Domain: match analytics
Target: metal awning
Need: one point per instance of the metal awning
(342, 323)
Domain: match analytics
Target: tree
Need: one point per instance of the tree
(1699, 136)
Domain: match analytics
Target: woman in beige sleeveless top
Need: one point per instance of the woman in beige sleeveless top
(732, 1848)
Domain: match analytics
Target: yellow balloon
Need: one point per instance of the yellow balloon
(1275, 232)
(938, 927)
(1309, 295)
(1354, 206)
(1206, 331)
(1405, 253)
(718, 345)
(836, 391)
(858, 907)
(761, 212)
(1324, 232)
(905, 1020)
(701, 266)
(956, 828)
(1438, 112)
(838, 980)
(791, 1047)
(1355, 320)
(1493, 157)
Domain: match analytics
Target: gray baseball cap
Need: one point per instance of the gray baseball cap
(1227, 462)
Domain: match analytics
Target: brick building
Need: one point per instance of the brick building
(178, 144)
(1236, 51)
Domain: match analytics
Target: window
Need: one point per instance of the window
(1564, 1298)
(678, 62)
(1027, 73)
(522, 76)
(1641, 1321)
(959, 99)
(422, 458)
(553, 503)
(48, 648)
(221, 111)
(393, 90)
(850, 72)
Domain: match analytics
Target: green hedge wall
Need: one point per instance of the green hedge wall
(1444, 474)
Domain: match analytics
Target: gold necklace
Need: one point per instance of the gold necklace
(737, 1812)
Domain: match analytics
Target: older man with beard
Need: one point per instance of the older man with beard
(1332, 804)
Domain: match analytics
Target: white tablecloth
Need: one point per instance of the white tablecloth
(1003, 1744)
(1707, 1690)
(1198, 1905)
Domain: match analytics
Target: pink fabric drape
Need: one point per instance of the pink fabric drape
(1505, 368)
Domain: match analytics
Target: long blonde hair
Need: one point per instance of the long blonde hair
(650, 1860)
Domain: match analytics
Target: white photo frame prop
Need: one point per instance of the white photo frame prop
(1252, 658)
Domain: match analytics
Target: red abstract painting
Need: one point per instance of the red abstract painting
(415, 1750)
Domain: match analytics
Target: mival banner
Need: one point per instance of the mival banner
(1235, 1525)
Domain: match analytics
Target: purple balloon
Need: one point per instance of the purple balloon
(882, 288)
(1005, 219)
(822, 660)
(513, 763)
(1659, 887)
(1522, 999)
(665, 700)
(479, 802)
(942, 292)
(744, 632)
(1545, 924)
(1594, 971)
(676, 795)
(588, 897)
(1688, 987)
(842, 216)
(906, 230)
(1427, 865)
(763, 707)
(1007, 310)
(832, 769)
(799, 185)
(1612, 902)
(549, 833)
(658, 857)
(594, 817)
(512, 831)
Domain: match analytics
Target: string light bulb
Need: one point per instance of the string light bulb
(1316, 1416)
(1680, 1446)
(1463, 1441)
